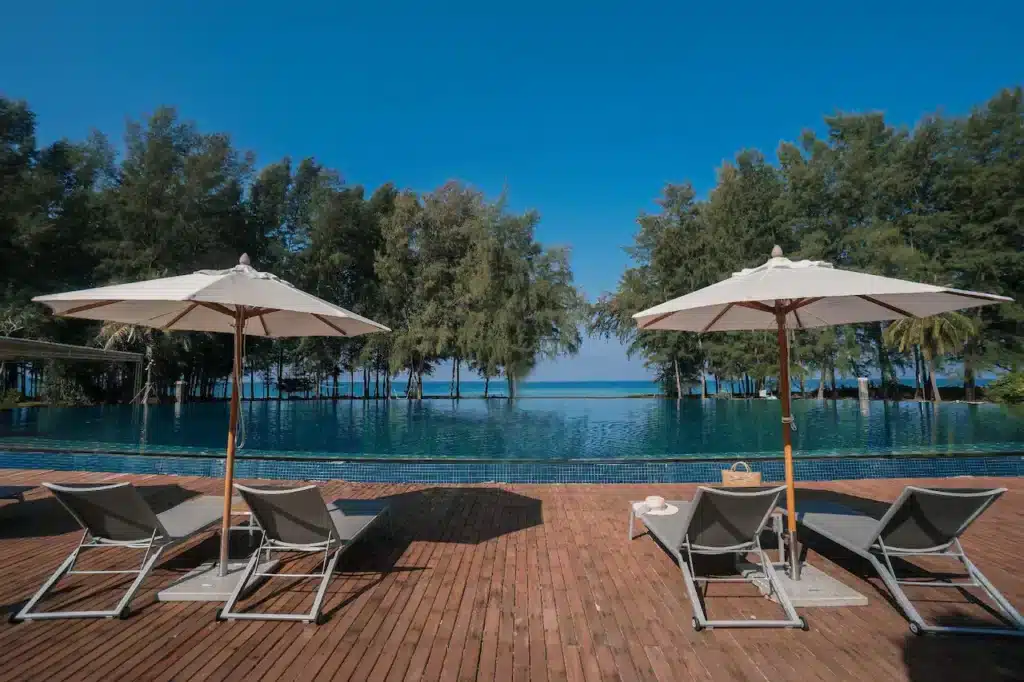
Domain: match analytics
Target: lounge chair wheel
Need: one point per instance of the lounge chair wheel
(696, 626)
(804, 626)
(916, 629)
(124, 614)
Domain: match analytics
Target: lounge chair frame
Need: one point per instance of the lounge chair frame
(880, 556)
(158, 541)
(684, 557)
(332, 549)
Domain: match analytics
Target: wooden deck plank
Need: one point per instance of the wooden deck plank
(485, 582)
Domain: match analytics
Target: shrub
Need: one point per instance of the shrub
(1008, 388)
(10, 398)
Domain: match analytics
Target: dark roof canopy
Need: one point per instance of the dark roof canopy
(30, 349)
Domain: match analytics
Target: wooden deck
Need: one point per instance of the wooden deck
(512, 582)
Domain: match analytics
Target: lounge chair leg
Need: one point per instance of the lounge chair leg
(125, 603)
(784, 600)
(897, 592)
(632, 516)
(700, 619)
(227, 612)
(26, 611)
(322, 590)
(1011, 613)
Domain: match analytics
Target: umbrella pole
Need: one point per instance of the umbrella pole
(229, 464)
(787, 445)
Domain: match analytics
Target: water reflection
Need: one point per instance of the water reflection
(527, 429)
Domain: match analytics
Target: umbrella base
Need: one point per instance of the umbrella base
(203, 584)
(814, 589)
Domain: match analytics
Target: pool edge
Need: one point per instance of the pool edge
(422, 471)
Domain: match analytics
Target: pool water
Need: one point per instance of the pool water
(534, 429)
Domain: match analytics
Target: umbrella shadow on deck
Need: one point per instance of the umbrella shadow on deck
(46, 517)
(962, 657)
(463, 515)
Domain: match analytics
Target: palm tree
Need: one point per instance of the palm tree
(936, 336)
(118, 335)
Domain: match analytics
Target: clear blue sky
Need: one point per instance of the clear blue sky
(582, 110)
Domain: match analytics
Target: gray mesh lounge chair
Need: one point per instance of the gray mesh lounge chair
(721, 521)
(116, 516)
(297, 520)
(922, 522)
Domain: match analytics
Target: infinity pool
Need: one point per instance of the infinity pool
(535, 429)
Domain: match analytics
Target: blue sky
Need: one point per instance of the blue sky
(582, 111)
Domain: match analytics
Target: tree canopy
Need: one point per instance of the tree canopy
(456, 275)
(941, 203)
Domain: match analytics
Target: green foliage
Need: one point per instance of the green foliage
(943, 203)
(10, 398)
(456, 276)
(1009, 388)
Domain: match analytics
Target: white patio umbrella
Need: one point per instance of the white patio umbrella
(783, 294)
(237, 301)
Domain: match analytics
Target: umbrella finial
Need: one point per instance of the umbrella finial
(244, 260)
(777, 251)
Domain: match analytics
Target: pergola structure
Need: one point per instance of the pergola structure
(23, 350)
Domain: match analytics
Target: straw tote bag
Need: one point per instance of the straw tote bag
(734, 477)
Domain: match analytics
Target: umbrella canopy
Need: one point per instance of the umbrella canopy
(238, 301)
(810, 293)
(209, 301)
(783, 294)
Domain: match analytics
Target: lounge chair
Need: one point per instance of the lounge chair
(922, 522)
(721, 521)
(298, 520)
(117, 516)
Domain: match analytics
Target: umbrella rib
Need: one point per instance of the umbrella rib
(256, 312)
(756, 305)
(330, 324)
(87, 306)
(222, 309)
(717, 317)
(979, 297)
(266, 332)
(799, 322)
(883, 304)
(656, 320)
(800, 303)
(180, 315)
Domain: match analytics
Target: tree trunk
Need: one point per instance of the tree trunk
(835, 386)
(884, 366)
(511, 386)
(821, 384)
(352, 382)
(935, 382)
(703, 384)
(458, 378)
(419, 380)
(451, 385)
(280, 371)
(969, 380)
(487, 384)
(675, 366)
(918, 370)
